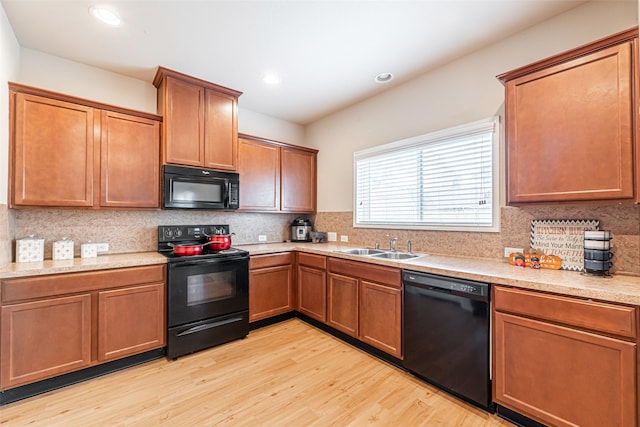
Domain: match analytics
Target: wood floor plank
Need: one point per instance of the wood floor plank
(288, 374)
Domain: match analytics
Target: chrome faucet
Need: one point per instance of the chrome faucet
(408, 246)
(392, 242)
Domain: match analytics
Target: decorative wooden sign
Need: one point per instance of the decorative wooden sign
(563, 238)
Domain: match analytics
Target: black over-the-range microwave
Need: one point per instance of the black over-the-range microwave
(194, 188)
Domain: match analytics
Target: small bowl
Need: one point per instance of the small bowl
(597, 255)
(598, 234)
(597, 265)
(597, 244)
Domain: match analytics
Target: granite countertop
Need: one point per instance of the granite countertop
(618, 288)
(102, 262)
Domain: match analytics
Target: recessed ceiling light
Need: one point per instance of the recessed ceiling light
(271, 79)
(384, 78)
(105, 15)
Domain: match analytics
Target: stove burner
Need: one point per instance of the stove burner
(194, 235)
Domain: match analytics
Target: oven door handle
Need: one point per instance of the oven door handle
(206, 326)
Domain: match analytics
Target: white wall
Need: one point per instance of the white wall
(462, 91)
(9, 68)
(61, 75)
(256, 124)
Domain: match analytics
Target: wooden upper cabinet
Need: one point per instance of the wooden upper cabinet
(221, 131)
(71, 152)
(298, 180)
(275, 176)
(53, 152)
(183, 137)
(200, 126)
(129, 167)
(259, 169)
(569, 124)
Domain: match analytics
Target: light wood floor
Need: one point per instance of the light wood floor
(289, 374)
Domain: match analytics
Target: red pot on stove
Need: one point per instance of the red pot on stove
(188, 249)
(220, 242)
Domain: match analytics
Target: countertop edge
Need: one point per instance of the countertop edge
(75, 265)
(618, 288)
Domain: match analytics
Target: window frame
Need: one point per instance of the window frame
(430, 138)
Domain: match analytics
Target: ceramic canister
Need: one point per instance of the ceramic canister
(29, 249)
(63, 249)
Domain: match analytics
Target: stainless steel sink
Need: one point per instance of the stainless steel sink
(396, 255)
(379, 253)
(362, 251)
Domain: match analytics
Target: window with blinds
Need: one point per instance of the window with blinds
(446, 180)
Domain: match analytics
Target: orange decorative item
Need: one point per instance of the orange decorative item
(551, 262)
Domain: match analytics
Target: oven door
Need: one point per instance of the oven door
(206, 288)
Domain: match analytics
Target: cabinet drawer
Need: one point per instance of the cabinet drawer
(61, 284)
(365, 271)
(270, 260)
(603, 317)
(317, 261)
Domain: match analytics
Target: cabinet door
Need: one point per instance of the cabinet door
(381, 317)
(183, 123)
(270, 292)
(561, 376)
(569, 130)
(312, 292)
(53, 152)
(220, 131)
(342, 309)
(298, 180)
(44, 338)
(130, 320)
(130, 157)
(259, 168)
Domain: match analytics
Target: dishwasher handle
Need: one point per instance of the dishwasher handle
(450, 284)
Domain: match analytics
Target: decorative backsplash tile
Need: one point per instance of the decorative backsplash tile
(515, 231)
(136, 231)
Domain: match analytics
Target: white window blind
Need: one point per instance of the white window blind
(442, 180)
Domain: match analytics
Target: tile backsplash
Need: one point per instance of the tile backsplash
(136, 231)
(515, 230)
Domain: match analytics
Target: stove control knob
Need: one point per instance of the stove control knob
(168, 233)
(178, 233)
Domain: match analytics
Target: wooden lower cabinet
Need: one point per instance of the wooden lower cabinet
(130, 321)
(312, 286)
(44, 338)
(52, 325)
(342, 310)
(270, 285)
(562, 374)
(381, 317)
(365, 301)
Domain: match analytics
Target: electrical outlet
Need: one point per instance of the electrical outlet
(344, 238)
(102, 247)
(332, 236)
(262, 238)
(509, 251)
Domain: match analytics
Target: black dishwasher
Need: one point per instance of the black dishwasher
(446, 334)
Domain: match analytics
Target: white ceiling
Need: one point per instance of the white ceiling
(327, 52)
